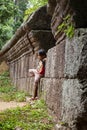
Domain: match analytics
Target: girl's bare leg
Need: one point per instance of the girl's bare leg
(35, 90)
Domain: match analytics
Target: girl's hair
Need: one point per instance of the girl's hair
(42, 52)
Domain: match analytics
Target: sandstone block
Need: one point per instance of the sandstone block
(74, 104)
(21, 84)
(76, 55)
(52, 92)
(55, 61)
(39, 20)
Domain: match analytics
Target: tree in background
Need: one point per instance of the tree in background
(11, 17)
(7, 11)
(12, 14)
(22, 5)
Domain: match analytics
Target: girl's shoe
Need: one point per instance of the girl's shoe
(32, 98)
(36, 98)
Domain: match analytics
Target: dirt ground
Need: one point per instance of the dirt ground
(3, 67)
(12, 104)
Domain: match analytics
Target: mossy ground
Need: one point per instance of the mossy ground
(33, 116)
(29, 117)
(7, 91)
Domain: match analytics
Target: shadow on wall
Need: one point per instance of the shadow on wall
(80, 12)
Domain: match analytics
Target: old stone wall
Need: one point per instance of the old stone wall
(54, 77)
(64, 87)
(65, 82)
(20, 51)
(21, 57)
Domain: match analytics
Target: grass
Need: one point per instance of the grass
(33, 116)
(7, 91)
(30, 117)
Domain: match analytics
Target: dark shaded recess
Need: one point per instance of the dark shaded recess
(82, 73)
(45, 38)
(80, 12)
(82, 125)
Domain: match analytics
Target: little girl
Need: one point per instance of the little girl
(39, 71)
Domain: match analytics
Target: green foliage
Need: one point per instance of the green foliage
(7, 13)
(21, 4)
(12, 14)
(30, 117)
(6, 31)
(7, 91)
(20, 96)
(7, 9)
(67, 27)
(62, 123)
(11, 17)
(33, 5)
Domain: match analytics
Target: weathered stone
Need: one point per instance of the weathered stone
(20, 55)
(22, 74)
(62, 9)
(71, 99)
(75, 55)
(38, 38)
(52, 91)
(12, 65)
(74, 108)
(21, 84)
(74, 82)
(60, 127)
(55, 61)
(51, 6)
(64, 87)
(39, 20)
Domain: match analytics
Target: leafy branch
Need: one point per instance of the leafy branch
(67, 27)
